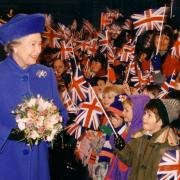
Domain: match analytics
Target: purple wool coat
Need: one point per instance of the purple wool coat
(17, 160)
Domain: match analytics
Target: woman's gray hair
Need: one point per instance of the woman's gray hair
(9, 46)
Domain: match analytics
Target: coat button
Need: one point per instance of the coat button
(25, 151)
(25, 78)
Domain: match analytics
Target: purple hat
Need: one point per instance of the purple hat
(139, 102)
(20, 26)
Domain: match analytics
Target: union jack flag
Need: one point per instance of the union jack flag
(93, 47)
(113, 13)
(168, 85)
(126, 53)
(106, 20)
(79, 87)
(151, 19)
(169, 166)
(52, 37)
(83, 45)
(104, 42)
(176, 49)
(89, 115)
(64, 31)
(140, 79)
(127, 25)
(111, 58)
(68, 103)
(75, 130)
(66, 50)
(88, 26)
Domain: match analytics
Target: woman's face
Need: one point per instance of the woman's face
(96, 66)
(107, 99)
(59, 67)
(27, 50)
(164, 42)
(150, 122)
(127, 113)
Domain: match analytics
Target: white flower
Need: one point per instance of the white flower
(31, 102)
(49, 138)
(21, 126)
(54, 119)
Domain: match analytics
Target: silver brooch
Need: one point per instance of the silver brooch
(41, 73)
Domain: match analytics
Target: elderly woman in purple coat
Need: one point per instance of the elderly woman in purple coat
(21, 77)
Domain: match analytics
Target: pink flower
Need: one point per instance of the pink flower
(34, 135)
(41, 130)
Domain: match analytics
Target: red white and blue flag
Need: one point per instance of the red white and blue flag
(93, 47)
(104, 42)
(176, 49)
(79, 87)
(83, 45)
(126, 53)
(52, 37)
(90, 112)
(75, 130)
(168, 85)
(169, 167)
(68, 103)
(150, 20)
(106, 20)
(66, 50)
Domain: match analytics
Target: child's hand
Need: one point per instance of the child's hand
(127, 88)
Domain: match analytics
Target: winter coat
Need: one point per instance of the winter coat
(143, 153)
(17, 160)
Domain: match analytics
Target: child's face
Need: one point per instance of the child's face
(101, 84)
(107, 99)
(128, 112)
(95, 66)
(164, 42)
(116, 120)
(150, 122)
(59, 67)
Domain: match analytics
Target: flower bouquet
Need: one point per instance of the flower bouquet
(39, 119)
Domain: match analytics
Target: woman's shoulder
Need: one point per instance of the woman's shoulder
(39, 68)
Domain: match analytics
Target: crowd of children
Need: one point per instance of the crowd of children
(137, 84)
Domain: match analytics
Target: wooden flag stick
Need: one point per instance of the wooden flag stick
(171, 12)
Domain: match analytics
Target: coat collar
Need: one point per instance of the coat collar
(165, 134)
(12, 63)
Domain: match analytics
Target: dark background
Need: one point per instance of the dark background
(65, 11)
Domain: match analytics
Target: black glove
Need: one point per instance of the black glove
(119, 142)
(16, 135)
